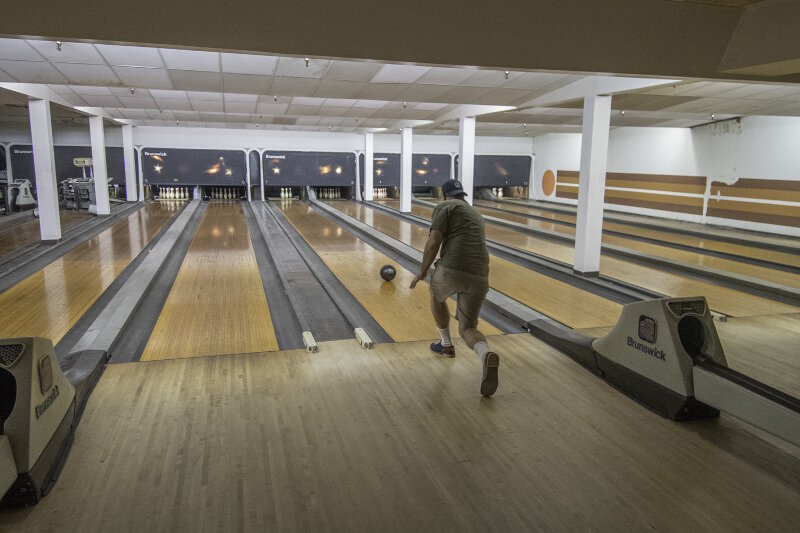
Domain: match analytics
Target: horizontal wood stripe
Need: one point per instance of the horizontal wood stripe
(780, 215)
(761, 184)
(758, 194)
(657, 186)
(697, 181)
(659, 206)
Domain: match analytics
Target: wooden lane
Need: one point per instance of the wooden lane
(217, 304)
(721, 299)
(50, 301)
(569, 305)
(404, 313)
(707, 243)
(697, 259)
(395, 439)
(18, 236)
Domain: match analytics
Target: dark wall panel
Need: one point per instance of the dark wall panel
(427, 169)
(334, 169)
(181, 166)
(2, 158)
(500, 170)
(22, 162)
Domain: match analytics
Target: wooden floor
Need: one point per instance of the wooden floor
(684, 256)
(568, 304)
(20, 235)
(703, 243)
(403, 313)
(217, 303)
(721, 299)
(50, 301)
(395, 439)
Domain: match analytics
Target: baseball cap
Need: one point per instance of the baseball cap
(452, 187)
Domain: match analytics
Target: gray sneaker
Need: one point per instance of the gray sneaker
(489, 381)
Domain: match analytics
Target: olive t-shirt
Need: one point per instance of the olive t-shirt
(464, 245)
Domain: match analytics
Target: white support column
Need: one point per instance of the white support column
(532, 180)
(261, 174)
(466, 155)
(141, 176)
(247, 170)
(97, 134)
(592, 183)
(44, 164)
(453, 166)
(358, 179)
(129, 157)
(369, 142)
(405, 170)
(9, 175)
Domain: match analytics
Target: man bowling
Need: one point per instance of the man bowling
(462, 269)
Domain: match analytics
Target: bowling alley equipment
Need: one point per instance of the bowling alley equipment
(17, 195)
(666, 354)
(40, 404)
(388, 272)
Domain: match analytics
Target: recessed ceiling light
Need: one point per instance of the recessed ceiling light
(58, 45)
(712, 116)
(276, 98)
(307, 60)
(177, 122)
(622, 112)
(506, 74)
(133, 91)
(405, 104)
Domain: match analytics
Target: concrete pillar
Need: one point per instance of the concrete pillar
(261, 174)
(97, 134)
(592, 184)
(405, 170)
(129, 156)
(466, 155)
(141, 177)
(532, 180)
(369, 143)
(247, 170)
(44, 164)
(453, 166)
(7, 148)
(358, 179)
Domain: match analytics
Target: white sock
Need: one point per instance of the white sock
(481, 348)
(445, 333)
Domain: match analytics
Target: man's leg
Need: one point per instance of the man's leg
(441, 314)
(469, 308)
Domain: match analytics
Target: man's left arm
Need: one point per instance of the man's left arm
(435, 240)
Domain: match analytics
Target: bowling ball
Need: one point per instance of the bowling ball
(388, 272)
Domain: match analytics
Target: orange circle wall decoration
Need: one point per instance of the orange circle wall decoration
(548, 182)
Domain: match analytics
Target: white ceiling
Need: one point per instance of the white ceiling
(161, 86)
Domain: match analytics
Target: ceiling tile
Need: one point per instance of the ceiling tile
(102, 101)
(80, 74)
(6, 77)
(352, 71)
(383, 91)
(134, 113)
(240, 107)
(295, 67)
(246, 83)
(464, 95)
(424, 93)
(399, 73)
(271, 108)
(445, 76)
(33, 72)
(130, 56)
(531, 80)
(126, 91)
(307, 121)
(338, 89)
(238, 97)
(374, 104)
(303, 110)
(201, 95)
(137, 102)
(486, 78)
(249, 64)
(159, 94)
(151, 78)
(196, 81)
(302, 100)
(70, 52)
(20, 50)
(283, 86)
(197, 60)
(174, 104)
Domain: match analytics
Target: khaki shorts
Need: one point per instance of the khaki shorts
(470, 290)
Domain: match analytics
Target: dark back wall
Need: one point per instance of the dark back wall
(180, 166)
(319, 169)
(427, 170)
(500, 170)
(22, 162)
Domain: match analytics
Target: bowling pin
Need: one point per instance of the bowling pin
(500, 192)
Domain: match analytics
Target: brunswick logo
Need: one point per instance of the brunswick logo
(647, 329)
(653, 352)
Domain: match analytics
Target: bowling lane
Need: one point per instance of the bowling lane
(569, 305)
(50, 301)
(217, 304)
(721, 299)
(705, 243)
(404, 313)
(17, 236)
